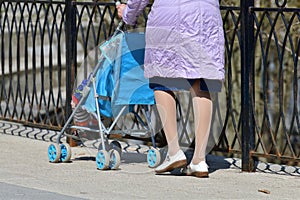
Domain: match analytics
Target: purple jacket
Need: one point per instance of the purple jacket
(184, 38)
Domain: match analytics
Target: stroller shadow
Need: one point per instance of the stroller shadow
(85, 158)
(133, 157)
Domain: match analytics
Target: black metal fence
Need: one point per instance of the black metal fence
(43, 43)
(275, 84)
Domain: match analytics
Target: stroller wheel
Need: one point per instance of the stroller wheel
(65, 152)
(102, 160)
(115, 159)
(153, 157)
(54, 153)
(116, 146)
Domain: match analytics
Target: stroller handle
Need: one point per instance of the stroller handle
(120, 26)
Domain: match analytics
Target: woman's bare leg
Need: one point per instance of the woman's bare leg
(202, 105)
(166, 105)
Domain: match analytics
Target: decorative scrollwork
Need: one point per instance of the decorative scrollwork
(281, 3)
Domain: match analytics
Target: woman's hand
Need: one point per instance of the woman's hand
(120, 9)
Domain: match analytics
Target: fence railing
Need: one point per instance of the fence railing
(44, 43)
(276, 103)
(33, 62)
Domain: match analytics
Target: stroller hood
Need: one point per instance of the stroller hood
(120, 75)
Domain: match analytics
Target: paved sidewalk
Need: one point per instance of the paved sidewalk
(25, 173)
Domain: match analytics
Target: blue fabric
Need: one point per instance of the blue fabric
(121, 76)
(104, 87)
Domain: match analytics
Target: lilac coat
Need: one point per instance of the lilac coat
(184, 38)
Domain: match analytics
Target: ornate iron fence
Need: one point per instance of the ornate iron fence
(276, 103)
(33, 62)
(43, 43)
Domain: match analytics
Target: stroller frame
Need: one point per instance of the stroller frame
(108, 156)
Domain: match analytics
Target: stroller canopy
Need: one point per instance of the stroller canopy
(119, 75)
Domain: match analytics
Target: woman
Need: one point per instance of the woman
(184, 51)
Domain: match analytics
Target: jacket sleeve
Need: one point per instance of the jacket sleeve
(133, 9)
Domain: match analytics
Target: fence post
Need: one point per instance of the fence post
(70, 30)
(247, 71)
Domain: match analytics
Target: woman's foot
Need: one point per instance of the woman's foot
(200, 170)
(172, 162)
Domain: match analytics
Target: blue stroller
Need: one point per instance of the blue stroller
(114, 88)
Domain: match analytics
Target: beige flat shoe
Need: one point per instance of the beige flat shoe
(172, 162)
(200, 170)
